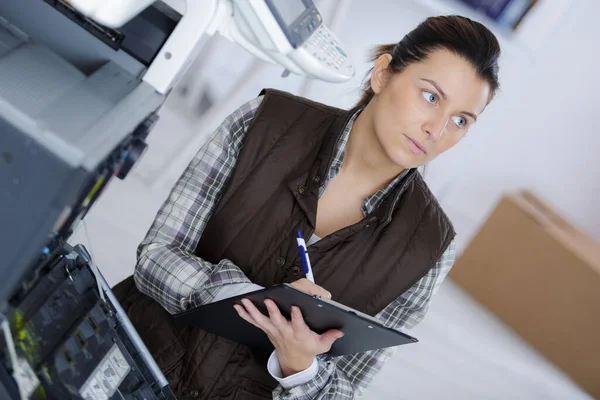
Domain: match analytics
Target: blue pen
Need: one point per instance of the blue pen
(304, 257)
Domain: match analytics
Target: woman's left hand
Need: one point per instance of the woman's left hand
(295, 343)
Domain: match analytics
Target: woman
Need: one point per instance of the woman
(379, 241)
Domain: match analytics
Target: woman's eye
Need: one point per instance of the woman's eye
(459, 121)
(430, 97)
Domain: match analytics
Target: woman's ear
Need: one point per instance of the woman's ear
(380, 73)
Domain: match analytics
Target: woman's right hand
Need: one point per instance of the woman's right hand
(311, 288)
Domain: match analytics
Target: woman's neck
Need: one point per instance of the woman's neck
(365, 159)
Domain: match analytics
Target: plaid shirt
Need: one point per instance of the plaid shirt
(168, 271)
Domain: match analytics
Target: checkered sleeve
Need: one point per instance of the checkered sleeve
(167, 269)
(347, 377)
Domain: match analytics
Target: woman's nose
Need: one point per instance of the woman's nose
(435, 128)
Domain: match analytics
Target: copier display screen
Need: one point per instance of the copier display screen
(290, 10)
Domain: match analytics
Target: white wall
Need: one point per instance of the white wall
(561, 130)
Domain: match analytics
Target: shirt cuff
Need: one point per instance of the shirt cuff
(234, 289)
(291, 381)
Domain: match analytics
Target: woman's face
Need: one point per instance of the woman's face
(426, 109)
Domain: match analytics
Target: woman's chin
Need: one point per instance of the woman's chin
(405, 159)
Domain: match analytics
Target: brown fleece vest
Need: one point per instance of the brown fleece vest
(273, 192)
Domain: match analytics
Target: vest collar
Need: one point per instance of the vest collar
(305, 187)
(386, 209)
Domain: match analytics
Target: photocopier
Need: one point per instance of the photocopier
(81, 82)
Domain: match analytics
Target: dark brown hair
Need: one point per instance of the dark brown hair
(462, 36)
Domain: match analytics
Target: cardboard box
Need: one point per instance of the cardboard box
(541, 276)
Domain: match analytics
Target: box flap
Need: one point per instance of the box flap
(581, 244)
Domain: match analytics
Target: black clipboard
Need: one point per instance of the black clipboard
(361, 331)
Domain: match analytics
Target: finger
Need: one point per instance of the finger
(277, 319)
(313, 289)
(299, 284)
(244, 315)
(243, 312)
(262, 320)
(298, 324)
(327, 339)
(317, 290)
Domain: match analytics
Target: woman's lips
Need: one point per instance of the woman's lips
(415, 146)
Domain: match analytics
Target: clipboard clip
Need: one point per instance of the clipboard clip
(316, 296)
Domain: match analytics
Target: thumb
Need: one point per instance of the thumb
(327, 339)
